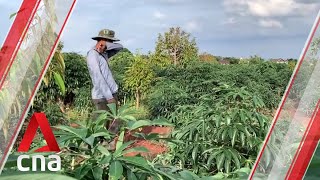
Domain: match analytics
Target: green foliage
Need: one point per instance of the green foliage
(231, 60)
(138, 78)
(160, 61)
(255, 59)
(53, 112)
(77, 85)
(220, 112)
(178, 45)
(164, 98)
(266, 80)
(119, 64)
(56, 71)
(77, 74)
(221, 132)
(86, 156)
(292, 64)
(206, 57)
(83, 101)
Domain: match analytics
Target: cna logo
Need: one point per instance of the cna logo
(54, 164)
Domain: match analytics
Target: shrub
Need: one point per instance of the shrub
(222, 132)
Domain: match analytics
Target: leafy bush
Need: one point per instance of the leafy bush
(77, 74)
(164, 98)
(77, 77)
(138, 78)
(266, 80)
(83, 101)
(86, 155)
(221, 133)
(119, 64)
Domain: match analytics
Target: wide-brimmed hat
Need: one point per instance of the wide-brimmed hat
(106, 34)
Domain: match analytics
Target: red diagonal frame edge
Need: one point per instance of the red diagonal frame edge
(306, 147)
(39, 120)
(17, 32)
(24, 113)
(309, 41)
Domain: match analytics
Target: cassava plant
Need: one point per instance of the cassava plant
(222, 133)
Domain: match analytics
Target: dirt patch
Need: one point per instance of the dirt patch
(154, 147)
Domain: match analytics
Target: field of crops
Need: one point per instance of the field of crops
(214, 113)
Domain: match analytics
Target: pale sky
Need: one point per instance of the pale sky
(239, 28)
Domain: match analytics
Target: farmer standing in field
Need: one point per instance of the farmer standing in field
(105, 88)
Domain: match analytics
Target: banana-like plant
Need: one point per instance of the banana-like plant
(56, 70)
(86, 154)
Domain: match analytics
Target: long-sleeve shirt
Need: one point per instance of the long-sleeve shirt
(104, 85)
(113, 49)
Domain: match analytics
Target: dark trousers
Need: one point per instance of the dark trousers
(102, 104)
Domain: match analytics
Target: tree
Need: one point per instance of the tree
(138, 77)
(206, 57)
(161, 61)
(292, 63)
(255, 59)
(178, 45)
(119, 64)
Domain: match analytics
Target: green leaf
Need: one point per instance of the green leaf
(83, 171)
(103, 150)
(80, 133)
(195, 153)
(128, 118)
(244, 170)
(187, 175)
(224, 134)
(90, 140)
(113, 109)
(236, 158)
(105, 160)
(97, 173)
(212, 156)
(139, 124)
(116, 170)
(120, 140)
(219, 176)
(101, 118)
(137, 161)
(227, 162)
(131, 175)
(220, 161)
(119, 150)
(215, 177)
(137, 150)
(234, 135)
(101, 134)
(60, 82)
(13, 15)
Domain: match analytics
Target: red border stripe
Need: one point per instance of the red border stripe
(285, 98)
(20, 122)
(17, 32)
(307, 145)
